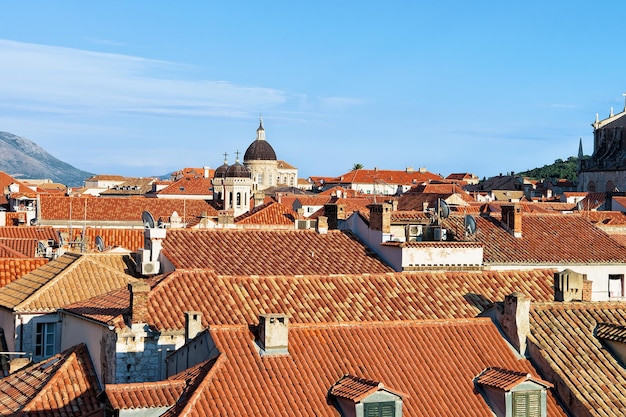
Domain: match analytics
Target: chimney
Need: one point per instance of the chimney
(409, 170)
(515, 320)
(425, 206)
(334, 213)
(322, 225)
(259, 198)
(139, 291)
(225, 218)
(380, 217)
(394, 205)
(193, 324)
(274, 334)
(206, 170)
(570, 286)
(512, 218)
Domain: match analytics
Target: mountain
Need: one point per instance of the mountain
(22, 158)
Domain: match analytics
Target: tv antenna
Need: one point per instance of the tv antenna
(147, 219)
(99, 244)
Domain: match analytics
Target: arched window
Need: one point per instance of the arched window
(238, 199)
(610, 186)
(591, 187)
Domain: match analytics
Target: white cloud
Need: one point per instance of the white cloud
(40, 76)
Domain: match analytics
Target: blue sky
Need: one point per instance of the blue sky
(147, 87)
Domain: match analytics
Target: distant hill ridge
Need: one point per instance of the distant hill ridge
(22, 158)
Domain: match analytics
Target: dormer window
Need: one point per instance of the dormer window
(361, 397)
(513, 394)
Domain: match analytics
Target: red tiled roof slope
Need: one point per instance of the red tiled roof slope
(12, 269)
(131, 239)
(546, 239)
(18, 248)
(79, 209)
(270, 252)
(29, 232)
(564, 336)
(505, 379)
(67, 279)
(321, 299)
(434, 363)
(271, 213)
(64, 385)
(189, 186)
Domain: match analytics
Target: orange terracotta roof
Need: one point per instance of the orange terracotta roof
(131, 239)
(271, 213)
(64, 385)
(610, 331)
(189, 185)
(174, 391)
(270, 252)
(565, 339)
(29, 232)
(610, 218)
(433, 362)
(370, 176)
(354, 388)
(79, 209)
(21, 246)
(546, 239)
(67, 279)
(5, 181)
(144, 394)
(12, 269)
(506, 379)
(339, 298)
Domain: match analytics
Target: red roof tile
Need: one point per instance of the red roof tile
(29, 232)
(12, 269)
(79, 209)
(270, 252)
(433, 362)
(354, 388)
(67, 279)
(322, 299)
(64, 385)
(269, 214)
(188, 186)
(506, 379)
(546, 239)
(565, 340)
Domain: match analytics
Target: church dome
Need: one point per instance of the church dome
(220, 171)
(237, 170)
(259, 150)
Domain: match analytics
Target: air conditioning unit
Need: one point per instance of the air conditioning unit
(150, 268)
(415, 230)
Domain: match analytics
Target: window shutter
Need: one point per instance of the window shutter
(386, 409)
(527, 404)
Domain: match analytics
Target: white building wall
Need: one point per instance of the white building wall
(597, 273)
(94, 335)
(431, 255)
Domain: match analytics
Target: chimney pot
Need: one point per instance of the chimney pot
(274, 334)
(193, 324)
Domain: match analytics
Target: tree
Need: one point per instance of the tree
(357, 166)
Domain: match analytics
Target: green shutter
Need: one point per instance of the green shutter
(386, 409)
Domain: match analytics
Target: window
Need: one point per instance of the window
(616, 286)
(238, 199)
(386, 409)
(527, 404)
(44, 339)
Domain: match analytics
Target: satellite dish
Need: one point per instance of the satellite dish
(442, 209)
(41, 248)
(470, 224)
(147, 219)
(99, 244)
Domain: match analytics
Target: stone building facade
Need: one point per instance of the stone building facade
(605, 170)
